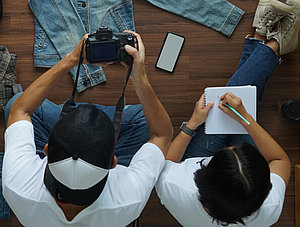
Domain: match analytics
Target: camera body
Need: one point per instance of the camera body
(106, 46)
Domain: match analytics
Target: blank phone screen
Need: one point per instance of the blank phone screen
(170, 52)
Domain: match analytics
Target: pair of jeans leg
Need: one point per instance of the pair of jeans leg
(134, 131)
(256, 64)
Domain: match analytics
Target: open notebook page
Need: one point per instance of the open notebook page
(218, 122)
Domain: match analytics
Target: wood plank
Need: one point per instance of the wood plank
(207, 59)
(297, 195)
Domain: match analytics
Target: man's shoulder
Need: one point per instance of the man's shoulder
(19, 124)
(25, 182)
(145, 166)
(18, 132)
(149, 150)
(149, 158)
(133, 184)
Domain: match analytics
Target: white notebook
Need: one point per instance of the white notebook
(217, 121)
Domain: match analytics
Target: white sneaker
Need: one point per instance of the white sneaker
(268, 13)
(287, 30)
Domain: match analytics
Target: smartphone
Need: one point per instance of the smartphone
(169, 52)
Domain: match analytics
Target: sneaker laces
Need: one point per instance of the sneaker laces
(269, 19)
(288, 23)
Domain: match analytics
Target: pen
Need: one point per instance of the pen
(237, 113)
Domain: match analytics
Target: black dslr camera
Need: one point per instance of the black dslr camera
(106, 46)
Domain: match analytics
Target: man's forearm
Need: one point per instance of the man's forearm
(37, 92)
(156, 116)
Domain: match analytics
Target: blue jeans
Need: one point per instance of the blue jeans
(219, 15)
(4, 208)
(256, 64)
(61, 24)
(134, 130)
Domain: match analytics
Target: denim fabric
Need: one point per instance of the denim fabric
(257, 62)
(4, 208)
(134, 131)
(219, 15)
(60, 25)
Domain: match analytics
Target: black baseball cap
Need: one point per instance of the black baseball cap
(80, 154)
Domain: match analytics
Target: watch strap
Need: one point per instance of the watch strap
(187, 130)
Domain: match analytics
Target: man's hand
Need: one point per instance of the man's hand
(236, 103)
(159, 123)
(74, 55)
(138, 68)
(200, 113)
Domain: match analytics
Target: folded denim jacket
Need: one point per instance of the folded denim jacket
(61, 24)
(219, 15)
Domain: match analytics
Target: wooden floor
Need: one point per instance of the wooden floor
(208, 59)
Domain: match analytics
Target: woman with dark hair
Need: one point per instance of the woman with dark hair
(234, 180)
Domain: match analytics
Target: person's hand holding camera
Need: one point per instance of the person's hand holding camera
(138, 54)
(236, 103)
(74, 55)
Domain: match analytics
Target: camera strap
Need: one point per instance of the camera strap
(70, 104)
(120, 106)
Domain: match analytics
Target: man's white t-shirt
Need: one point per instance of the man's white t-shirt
(179, 194)
(122, 200)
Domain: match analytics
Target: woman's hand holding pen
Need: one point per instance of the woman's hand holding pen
(237, 104)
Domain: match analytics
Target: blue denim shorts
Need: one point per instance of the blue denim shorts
(4, 208)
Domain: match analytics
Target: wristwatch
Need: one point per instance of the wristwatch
(187, 130)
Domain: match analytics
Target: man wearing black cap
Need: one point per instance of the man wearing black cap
(79, 182)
